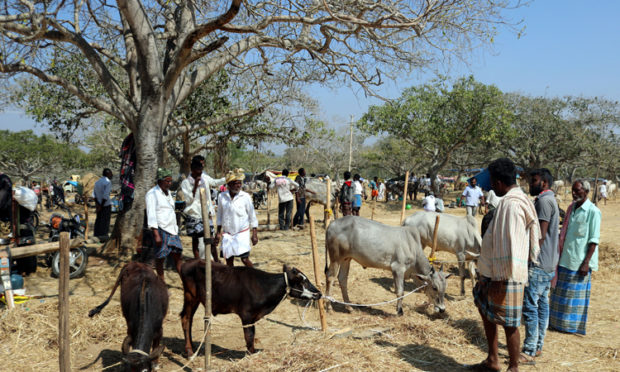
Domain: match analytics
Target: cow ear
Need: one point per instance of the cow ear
(446, 276)
(156, 352)
(423, 278)
(286, 268)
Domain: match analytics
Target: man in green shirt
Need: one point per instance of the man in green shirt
(578, 246)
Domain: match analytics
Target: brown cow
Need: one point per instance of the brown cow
(245, 291)
(144, 301)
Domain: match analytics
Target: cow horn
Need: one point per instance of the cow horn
(441, 267)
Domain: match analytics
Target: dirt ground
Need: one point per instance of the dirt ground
(289, 339)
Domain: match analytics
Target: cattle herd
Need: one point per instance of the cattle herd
(252, 294)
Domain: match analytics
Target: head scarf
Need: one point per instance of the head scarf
(163, 173)
(235, 175)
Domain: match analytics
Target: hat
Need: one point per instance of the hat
(235, 175)
(163, 173)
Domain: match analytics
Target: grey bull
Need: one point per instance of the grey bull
(373, 244)
(458, 235)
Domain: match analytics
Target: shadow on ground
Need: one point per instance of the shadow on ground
(472, 330)
(428, 358)
(110, 360)
(175, 351)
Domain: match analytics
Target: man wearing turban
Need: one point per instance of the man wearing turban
(161, 219)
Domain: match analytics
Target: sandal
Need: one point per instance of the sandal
(538, 354)
(526, 360)
(481, 367)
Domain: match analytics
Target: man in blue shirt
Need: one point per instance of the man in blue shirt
(103, 205)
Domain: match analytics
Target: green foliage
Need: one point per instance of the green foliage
(436, 119)
(53, 105)
(25, 154)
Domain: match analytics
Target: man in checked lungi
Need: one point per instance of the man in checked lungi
(512, 237)
(579, 239)
(235, 218)
(162, 221)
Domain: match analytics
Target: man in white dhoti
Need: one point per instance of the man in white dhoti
(235, 218)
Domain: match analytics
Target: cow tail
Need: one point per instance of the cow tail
(326, 268)
(98, 309)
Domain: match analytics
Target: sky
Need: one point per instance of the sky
(570, 47)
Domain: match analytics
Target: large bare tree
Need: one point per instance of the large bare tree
(149, 56)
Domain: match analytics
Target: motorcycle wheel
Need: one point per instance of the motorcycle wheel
(78, 259)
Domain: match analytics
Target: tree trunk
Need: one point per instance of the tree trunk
(186, 156)
(149, 149)
(221, 158)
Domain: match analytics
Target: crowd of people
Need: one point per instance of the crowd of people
(531, 268)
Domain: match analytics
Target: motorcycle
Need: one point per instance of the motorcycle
(78, 257)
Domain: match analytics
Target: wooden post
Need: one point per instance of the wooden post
(434, 247)
(402, 212)
(5, 276)
(372, 211)
(268, 206)
(207, 234)
(64, 341)
(328, 205)
(315, 260)
(85, 199)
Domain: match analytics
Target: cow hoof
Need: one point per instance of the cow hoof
(400, 312)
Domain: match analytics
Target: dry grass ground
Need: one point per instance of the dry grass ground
(366, 339)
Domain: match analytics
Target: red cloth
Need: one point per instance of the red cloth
(569, 210)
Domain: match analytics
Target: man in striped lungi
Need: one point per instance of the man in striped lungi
(578, 245)
(511, 239)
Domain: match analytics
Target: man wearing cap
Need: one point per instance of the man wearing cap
(235, 218)
(161, 219)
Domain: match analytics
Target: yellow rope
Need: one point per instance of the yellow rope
(329, 212)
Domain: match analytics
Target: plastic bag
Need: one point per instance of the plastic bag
(26, 197)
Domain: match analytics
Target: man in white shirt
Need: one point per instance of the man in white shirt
(358, 191)
(603, 191)
(235, 218)
(103, 205)
(429, 202)
(473, 194)
(162, 221)
(284, 186)
(193, 208)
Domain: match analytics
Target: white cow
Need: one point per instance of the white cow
(611, 189)
(458, 235)
(373, 244)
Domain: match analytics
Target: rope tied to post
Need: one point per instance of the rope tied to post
(329, 212)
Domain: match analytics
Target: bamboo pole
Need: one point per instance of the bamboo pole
(328, 205)
(434, 247)
(207, 320)
(315, 260)
(402, 212)
(64, 343)
(37, 249)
